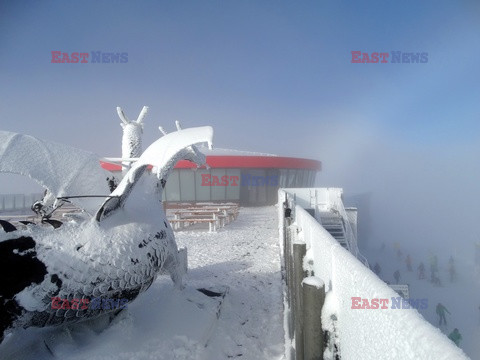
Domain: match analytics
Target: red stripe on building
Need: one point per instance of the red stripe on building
(229, 162)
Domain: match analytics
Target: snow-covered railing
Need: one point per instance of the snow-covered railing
(16, 202)
(360, 332)
(350, 236)
(321, 201)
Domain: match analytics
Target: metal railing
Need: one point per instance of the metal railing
(18, 202)
(351, 239)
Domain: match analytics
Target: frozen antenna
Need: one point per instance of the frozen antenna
(132, 136)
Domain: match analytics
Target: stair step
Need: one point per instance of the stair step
(328, 228)
(333, 227)
(335, 230)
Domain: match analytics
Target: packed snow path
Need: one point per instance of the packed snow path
(169, 324)
(245, 255)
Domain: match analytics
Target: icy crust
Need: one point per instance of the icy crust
(165, 151)
(132, 140)
(366, 333)
(64, 170)
(95, 261)
(132, 136)
(314, 281)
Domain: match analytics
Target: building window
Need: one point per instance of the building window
(172, 188)
(187, 185)
(219, 191)
(233, 191)
(202, 192)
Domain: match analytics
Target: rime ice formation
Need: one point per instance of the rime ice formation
(132, 136)
(116, 254)
(63, 170)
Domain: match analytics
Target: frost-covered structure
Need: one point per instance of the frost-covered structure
(61, 169)
(115, 254)
(358, 333)
(132, 136)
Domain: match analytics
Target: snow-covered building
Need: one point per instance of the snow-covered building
(238, 176)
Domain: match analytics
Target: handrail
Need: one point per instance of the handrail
(335, 201)
(351, 239)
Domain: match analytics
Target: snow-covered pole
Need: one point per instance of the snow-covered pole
(313, 290)
(290, 236)
(299, 251)
(132, 136)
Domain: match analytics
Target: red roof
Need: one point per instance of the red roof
(229, 162)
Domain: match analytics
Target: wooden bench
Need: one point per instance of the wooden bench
(212, 223)
(215, 215)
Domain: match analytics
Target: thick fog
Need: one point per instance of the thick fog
(421, 195)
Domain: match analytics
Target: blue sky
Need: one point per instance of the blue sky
(270, 76)
(243, 66)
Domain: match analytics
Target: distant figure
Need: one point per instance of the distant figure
(377, 269)
(396, 275)
(408, 261)
(421, 271)
(455, 336)
(441, 314)
(382, 247)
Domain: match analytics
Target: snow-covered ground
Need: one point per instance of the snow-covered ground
(164, 323)
(245, 255)
(461, 297)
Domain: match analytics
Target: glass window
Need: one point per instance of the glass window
(187, 184)
(218, 190)
(299, 179)
(291, 178)
(202, 184)
(8, 202)
(254, 180)
(272, 186)
(172, 188)
(233, 191)
(283, 178)
(313, 176)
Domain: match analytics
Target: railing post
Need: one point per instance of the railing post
(313, 300)
(291, 234)
(299, 251)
